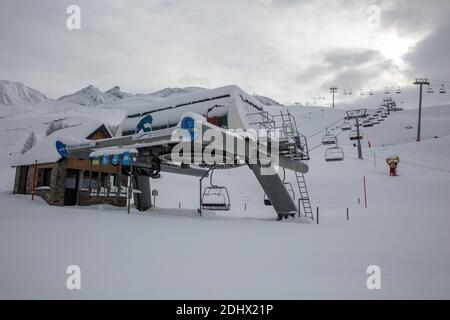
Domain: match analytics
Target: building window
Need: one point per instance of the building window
(46, 177)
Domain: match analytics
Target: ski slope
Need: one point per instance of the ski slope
(171, 252)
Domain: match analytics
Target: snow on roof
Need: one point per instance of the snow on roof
(45, 151)
(194, 96)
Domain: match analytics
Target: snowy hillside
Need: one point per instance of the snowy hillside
(86, 97)
(170, 92)
(266, 101)
(16, 98)
(15, 93)
(171, 252)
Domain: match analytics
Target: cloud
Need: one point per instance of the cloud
(344, 57)
(430, 58)
(289, 50)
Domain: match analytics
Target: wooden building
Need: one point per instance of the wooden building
(67, 182)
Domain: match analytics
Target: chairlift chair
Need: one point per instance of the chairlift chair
(346, 126)
(398, 91)
(442, 90)
(367, 123)
(371, 92)
(329, 139)
(215, 197)
(354, 135)
(430, 89)
(334, 154)
(386, 90)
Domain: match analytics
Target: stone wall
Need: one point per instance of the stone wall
(58, 184)
(55, 195)
(16, 180)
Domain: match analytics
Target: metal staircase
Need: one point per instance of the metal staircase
(292, 145)
(304, 196)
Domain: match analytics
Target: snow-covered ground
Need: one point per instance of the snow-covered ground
(244, 253)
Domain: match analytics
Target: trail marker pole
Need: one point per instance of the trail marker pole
(348, 218)
(317, 214)
(365, 192)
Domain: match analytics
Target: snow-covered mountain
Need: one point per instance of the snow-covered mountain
(18, 100)
(168, 92)
(93, 96)
(116, 94)
(87, 96)
(15, 93)
(266, 101)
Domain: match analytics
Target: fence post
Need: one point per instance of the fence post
(317, 214)
(347, 215)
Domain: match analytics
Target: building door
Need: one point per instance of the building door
(23, 174)
(71, 192)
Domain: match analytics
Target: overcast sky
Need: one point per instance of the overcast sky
(286, 49)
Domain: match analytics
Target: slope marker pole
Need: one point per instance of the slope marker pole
(365, 192)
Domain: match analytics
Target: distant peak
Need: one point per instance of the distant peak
(16, 93)
(116, 93)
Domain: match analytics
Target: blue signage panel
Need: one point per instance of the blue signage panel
(188, 123)
(145, 125)
(61, 148)
(115, 159)
(126, 159)
(105, 160)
